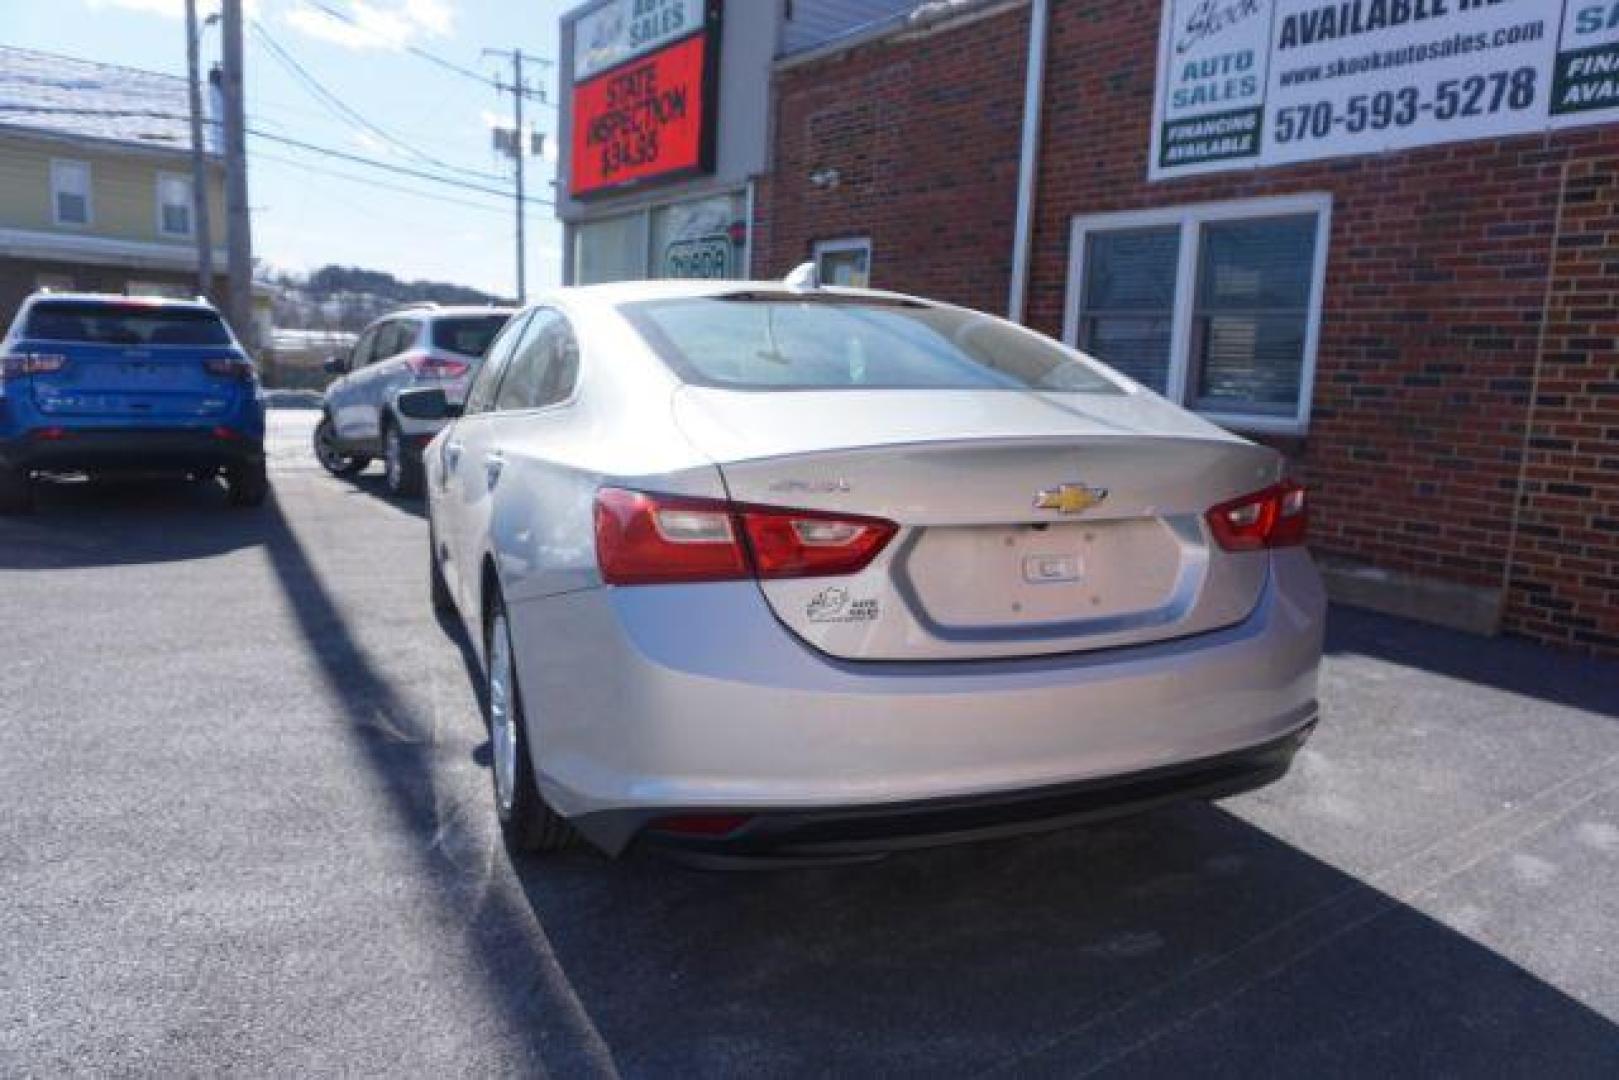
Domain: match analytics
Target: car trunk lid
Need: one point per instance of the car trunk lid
(147, 383)
(1117, 555)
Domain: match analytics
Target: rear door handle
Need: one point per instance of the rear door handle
(452, 454)
(492, 464)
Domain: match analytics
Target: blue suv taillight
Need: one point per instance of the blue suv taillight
(17, 365)
(230, 367)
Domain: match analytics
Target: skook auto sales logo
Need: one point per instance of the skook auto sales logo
(1210, 17)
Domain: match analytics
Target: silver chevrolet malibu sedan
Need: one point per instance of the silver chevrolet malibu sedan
(785, 572)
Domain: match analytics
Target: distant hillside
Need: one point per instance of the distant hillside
(348, 297)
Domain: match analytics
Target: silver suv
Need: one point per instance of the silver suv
(434, 346)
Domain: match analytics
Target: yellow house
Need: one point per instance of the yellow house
(96, 186)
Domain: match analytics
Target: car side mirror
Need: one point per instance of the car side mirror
(336, 365)
(427, 403)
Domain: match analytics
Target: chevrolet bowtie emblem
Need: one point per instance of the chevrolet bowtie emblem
(1069, 498)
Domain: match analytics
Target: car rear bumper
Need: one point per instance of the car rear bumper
(819, 833)
(667, 700)
(130, 450)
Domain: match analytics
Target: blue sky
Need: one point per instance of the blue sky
(304, 215)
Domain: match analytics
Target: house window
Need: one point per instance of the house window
(173, 204)
(70, 193)
(1216, 307)
(844, 262)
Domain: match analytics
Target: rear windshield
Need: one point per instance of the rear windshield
(124, 324)
(469, 336)
(754, 342)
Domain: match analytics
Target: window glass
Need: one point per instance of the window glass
(613, 249)
(70, 192)
(174, 204)
(106, 323)
(468, 335)
(1127, 313)
(698, 239)
(394, 338)
(846, 262)
(543, 370)
(1252, 314)
(481, 397)
(771, 341)
(363, 349)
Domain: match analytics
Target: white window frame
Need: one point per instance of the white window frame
(190, 204)
(1190, 219)
(59, 168)
(842, 246)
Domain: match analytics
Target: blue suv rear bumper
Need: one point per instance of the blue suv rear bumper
(67, 449)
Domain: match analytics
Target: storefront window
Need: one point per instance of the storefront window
(1129, 307)
(695, 239)
(1214, 306)
(612, 249)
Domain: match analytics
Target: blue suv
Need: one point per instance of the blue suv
(98, 384)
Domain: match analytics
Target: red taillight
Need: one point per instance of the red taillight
(428, 366)
(646, 539)
(1278, 516)
(49, 434)
(230, 367)
(17, 365)
(701, 824)
(805, 543)
(226, 434)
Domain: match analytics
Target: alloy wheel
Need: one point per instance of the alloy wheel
(502, 714)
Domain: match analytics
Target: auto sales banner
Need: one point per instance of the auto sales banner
(1253, 83)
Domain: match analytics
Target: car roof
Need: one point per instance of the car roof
(121, 299)
(436, 312)
(622, 292)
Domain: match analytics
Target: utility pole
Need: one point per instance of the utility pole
(518, 156)
(199, 167)
(518, 149)
(238, 224)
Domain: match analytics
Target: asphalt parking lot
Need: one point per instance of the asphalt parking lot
(246, 829)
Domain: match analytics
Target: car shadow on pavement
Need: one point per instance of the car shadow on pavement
(372, 483)
(124, 521)
(1514, 665)
(1185, 940)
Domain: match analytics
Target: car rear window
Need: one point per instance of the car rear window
(784, 342)
(124, 324)
(470, 335)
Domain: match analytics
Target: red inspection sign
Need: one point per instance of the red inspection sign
(643, 119)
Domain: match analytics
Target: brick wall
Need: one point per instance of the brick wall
(1445, 267)
(925, 138)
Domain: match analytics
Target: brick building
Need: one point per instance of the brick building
(1389, 249)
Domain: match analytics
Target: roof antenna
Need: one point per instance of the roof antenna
(805, 275)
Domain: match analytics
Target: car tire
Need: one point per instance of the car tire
(16, 492)
(332, 459)
(527, 824)
(402, 473)
(249, 484)
(443, 602)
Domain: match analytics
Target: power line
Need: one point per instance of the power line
(343, 111)
(299, 144)
(388, 166)
(382, 184)
(415, 50)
